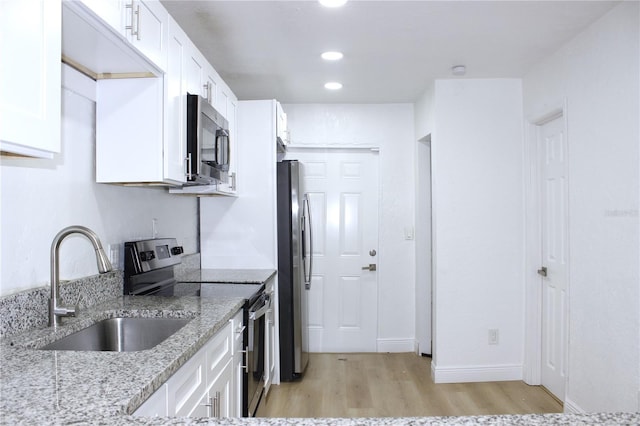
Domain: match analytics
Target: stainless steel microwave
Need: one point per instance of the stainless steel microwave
(208, 148)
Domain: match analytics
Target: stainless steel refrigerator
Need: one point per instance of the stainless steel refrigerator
(294, 270)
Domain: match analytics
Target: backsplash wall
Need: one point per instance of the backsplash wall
(40, 197)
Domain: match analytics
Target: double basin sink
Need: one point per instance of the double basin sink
(120, 335)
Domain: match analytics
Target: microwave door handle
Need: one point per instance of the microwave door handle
(228, 149)
(216, 146)
(224, 136)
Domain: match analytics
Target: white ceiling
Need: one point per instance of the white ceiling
(393, 49)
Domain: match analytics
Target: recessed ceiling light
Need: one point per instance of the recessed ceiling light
(332, 3)
(333, 85)
(332, 56)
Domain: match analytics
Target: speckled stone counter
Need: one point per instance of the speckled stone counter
(56, 387)
(235, 276)
(104, 388)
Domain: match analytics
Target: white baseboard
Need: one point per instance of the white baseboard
(396, 345)
(480, 373)
(571, 407)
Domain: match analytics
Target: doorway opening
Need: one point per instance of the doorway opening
(423, 248)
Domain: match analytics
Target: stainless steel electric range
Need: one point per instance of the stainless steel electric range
(149, 271)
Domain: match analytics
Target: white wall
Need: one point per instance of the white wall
(389, 127)
(240, 232)
(478, 229)
(40, 197)
(598, 74)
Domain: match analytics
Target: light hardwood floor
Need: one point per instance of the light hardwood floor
(394, 385)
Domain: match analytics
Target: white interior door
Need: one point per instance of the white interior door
(554, 227)
(342, 188)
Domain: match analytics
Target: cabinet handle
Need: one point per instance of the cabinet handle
(246, 360)
(209, 90)
(216, 405)
(209, 406)
(188, 160)
(135, 29)
(232, 176)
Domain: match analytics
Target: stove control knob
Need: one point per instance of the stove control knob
(147, 255)
(177, 250)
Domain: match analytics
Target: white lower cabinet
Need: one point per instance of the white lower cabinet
(187, 387)
(205, 386)
(155, 405)
(238, 361)
(221, 399)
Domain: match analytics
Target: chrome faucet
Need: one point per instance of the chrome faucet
(57, 312)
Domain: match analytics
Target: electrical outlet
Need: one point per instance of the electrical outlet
(114, 255)
(493, 336)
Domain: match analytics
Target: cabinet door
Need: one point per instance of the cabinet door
(176, 96)
(231, 187)
(147, 29)
(222, 100)
(238, 351)
(30, 84)
(220, 392)
(187, 388)
(218, 353)
(111, 11)
(194, 68)
(237, 388)
(155, 406)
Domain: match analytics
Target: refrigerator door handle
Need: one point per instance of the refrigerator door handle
(306, 228)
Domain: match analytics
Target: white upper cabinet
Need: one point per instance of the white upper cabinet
(175, 142)
(282, 132)
(107, 38)
(202, 79)
(111, 11)
(30, 85)
(194, 66)
(146, 27)
(231, 107)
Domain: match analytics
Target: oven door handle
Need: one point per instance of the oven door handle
(254, 315)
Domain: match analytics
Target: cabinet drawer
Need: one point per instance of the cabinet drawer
(218, 352)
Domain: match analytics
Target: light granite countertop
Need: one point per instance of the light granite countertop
(91, 388)
(235, 276)
(55, 387)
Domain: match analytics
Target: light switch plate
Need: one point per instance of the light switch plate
(409, 233)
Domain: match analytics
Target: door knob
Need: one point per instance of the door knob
(371, 267)
(543, 271)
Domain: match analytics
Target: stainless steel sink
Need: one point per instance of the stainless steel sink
(120, 335)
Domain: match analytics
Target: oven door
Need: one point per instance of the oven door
(255, 351)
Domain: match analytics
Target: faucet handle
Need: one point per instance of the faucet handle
(66, 312)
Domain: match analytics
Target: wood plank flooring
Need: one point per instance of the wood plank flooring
(394, 385)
